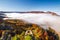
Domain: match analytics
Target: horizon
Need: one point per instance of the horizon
(30, 5)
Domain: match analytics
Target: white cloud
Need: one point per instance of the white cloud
(39, 19)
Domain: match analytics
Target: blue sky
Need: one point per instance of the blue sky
(30, 5)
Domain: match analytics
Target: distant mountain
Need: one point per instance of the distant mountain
(48, 12)
(2, 15)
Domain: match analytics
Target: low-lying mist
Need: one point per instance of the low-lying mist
(45, 20)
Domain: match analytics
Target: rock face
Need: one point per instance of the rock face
(38, 30)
